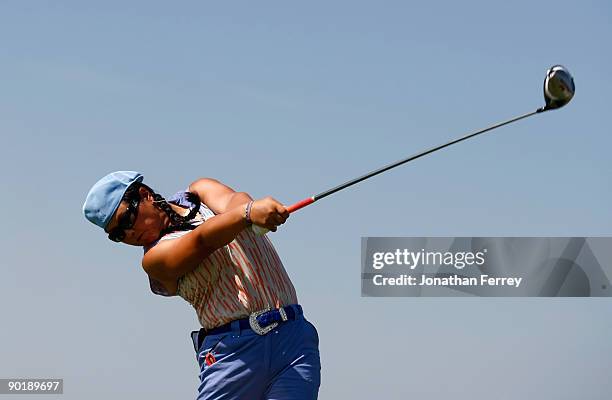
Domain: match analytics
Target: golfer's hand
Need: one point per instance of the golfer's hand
(268, 213)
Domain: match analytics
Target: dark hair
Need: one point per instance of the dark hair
(177, 222)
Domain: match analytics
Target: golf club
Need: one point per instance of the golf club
(559, 89)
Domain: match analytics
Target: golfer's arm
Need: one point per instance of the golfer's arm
(218, 197)
(238, 199)
(171, 259)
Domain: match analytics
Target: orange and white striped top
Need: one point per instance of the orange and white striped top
(242, 277)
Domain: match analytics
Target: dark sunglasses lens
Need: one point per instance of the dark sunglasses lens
(127, 221)
(116, 236)
(131, 214)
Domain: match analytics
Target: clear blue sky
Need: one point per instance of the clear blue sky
(287, 99)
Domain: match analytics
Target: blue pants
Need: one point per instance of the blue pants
(281, 365)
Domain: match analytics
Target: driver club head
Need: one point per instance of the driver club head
(559, 87)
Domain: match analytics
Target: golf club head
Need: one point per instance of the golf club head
(559, 87)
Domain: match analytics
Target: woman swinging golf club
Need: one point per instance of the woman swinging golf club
(197, 247)
(255, 342)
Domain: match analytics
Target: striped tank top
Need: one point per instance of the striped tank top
(237, 279)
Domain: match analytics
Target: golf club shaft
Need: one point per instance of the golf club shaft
(310, 200)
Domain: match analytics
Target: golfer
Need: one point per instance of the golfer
(254, 342)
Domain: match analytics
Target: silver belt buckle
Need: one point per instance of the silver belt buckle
(262, 330)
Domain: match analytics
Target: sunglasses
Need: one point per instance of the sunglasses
(127, 220)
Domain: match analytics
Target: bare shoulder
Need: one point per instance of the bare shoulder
(150, 264)
(171, 258)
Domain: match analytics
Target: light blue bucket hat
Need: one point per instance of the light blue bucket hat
(105, 196)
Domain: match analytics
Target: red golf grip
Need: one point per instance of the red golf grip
(260, 230)
(300, 204)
